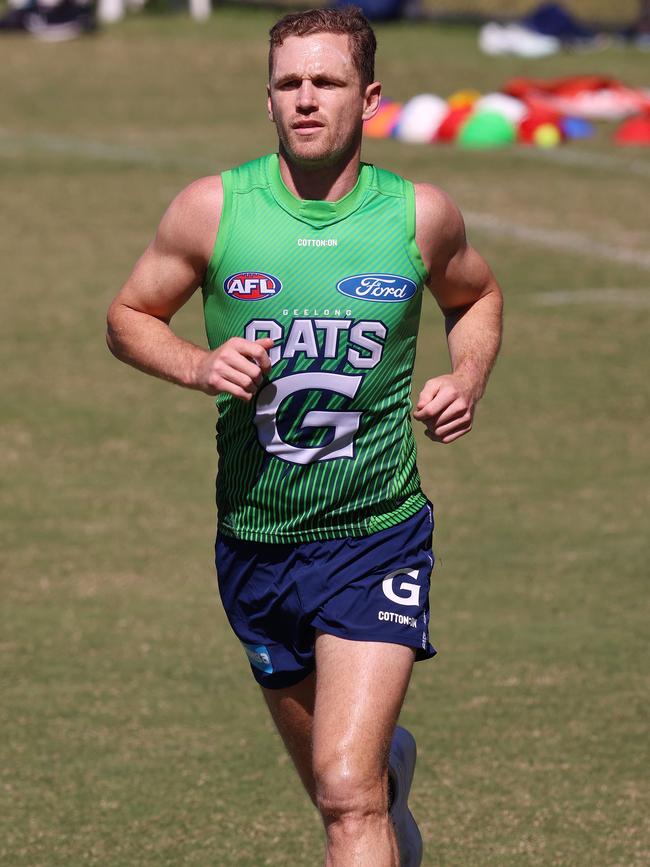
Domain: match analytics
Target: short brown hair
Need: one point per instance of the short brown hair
(348, 20)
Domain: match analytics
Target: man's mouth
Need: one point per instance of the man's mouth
(303, 127)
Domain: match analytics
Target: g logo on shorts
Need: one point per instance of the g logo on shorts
(413, 597)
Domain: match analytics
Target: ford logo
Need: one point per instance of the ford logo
(378, 287)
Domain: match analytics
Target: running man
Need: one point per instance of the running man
(312, 267)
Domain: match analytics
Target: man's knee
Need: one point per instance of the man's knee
(346, 794)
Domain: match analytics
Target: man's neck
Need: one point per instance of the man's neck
(327, 183)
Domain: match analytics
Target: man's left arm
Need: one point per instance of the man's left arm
(471, 302)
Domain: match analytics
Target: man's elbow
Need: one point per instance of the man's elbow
(493, 291)
(112, 330)
(110, 342)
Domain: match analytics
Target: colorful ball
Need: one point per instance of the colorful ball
(577, 128)
(634, 132)
(547, 135)
(511, 108)
(463, 98)
(449, 128)
(420, 118)
(486, 129)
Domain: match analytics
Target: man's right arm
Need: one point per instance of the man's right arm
(164, 278)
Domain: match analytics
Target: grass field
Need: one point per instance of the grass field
(132, 731)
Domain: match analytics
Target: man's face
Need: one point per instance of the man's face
(315, 98)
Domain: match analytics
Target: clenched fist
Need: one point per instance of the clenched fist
(236, 367)
(446, 408)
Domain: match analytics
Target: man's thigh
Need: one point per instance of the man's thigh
(360, 689)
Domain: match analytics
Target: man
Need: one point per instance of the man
(312, 266)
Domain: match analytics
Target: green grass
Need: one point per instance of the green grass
(132, 731)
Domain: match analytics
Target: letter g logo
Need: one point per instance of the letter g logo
(413, 597)
(344, 425)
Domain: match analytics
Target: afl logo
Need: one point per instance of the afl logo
(251, 286)
(378, 287)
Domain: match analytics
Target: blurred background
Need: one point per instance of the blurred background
(133, 733)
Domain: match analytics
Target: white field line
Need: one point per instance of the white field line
(585, 159)
(16, 145)
(570, 242)
(12, 144)
(638, 298)
(563, 241)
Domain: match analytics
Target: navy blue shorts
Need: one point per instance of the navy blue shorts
(373, 588)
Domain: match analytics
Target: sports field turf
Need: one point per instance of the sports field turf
(132, 733)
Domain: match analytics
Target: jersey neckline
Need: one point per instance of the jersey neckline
(315, 212)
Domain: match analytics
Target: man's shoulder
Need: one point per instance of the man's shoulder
(250, 174)
(436, 212)
(203, 194)
(190, 223)
(384, 180)
(434, 203)
(208, 192)
(439, 226)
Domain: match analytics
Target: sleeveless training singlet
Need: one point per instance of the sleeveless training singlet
(325, 449)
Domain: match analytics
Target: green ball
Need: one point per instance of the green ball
(486, 129)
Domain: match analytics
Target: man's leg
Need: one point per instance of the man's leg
(292, 710)
(360, 688)
(337, 728)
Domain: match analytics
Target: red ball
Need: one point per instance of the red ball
(449, 128)
(635, 132)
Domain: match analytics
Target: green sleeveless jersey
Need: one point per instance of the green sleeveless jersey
(325, 449)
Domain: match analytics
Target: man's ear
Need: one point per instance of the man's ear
(371, 100)
(269, 107)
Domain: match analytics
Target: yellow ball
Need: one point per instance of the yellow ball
(463, 98)
(547, 135)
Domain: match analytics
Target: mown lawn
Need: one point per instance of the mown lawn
(132, 731)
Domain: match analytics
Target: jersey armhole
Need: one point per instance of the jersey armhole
(225, 222)
(413, 250)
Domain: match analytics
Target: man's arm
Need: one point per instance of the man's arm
(471, 301)
(164, 278)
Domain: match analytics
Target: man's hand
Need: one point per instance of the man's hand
(446, 408)
(236, 367)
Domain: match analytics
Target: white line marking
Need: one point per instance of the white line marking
(585, 159)
(16, 145)
(571, 242)
(11, 144)
(618, 297)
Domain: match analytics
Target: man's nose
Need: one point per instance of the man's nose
(306, 95)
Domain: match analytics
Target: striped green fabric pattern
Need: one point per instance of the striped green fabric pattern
(326, 449)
